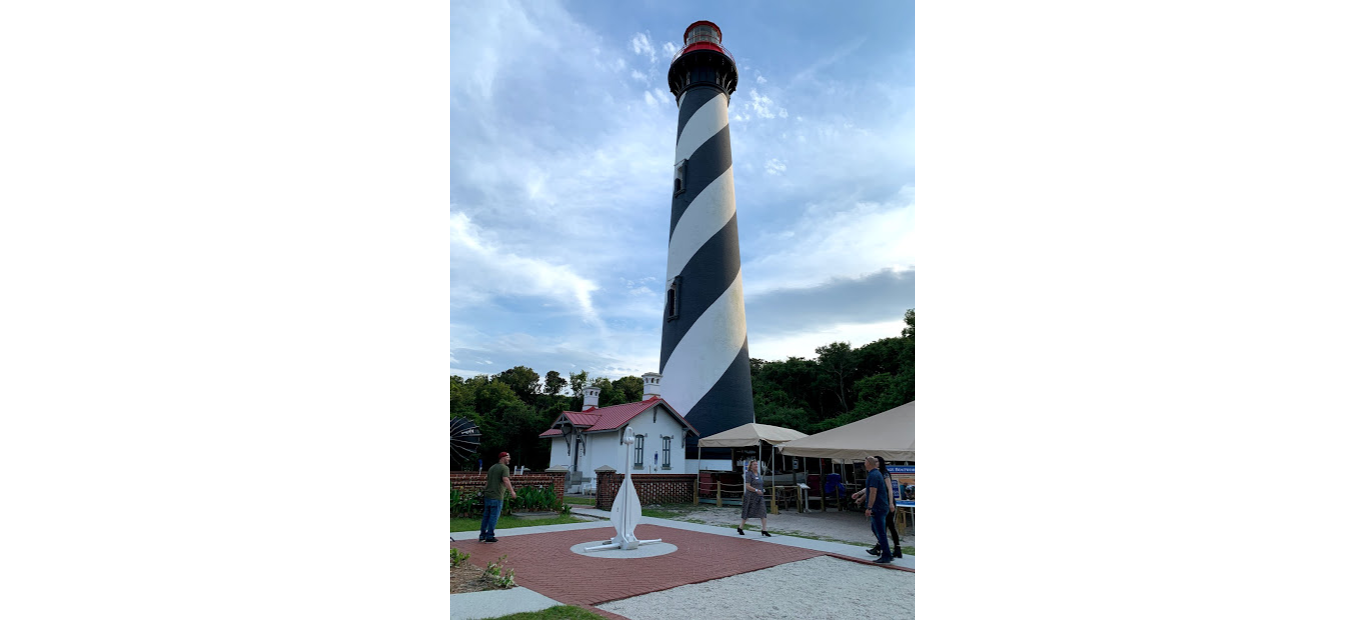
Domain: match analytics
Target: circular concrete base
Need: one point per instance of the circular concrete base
(643, 551)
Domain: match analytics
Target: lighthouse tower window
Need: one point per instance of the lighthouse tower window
(680, 171)
(671, 303)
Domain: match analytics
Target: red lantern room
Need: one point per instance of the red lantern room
(702, 60)
(702, 35)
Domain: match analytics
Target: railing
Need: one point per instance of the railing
(736, 493)
(708, 41)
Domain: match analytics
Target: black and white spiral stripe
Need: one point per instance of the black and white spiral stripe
(704, 355)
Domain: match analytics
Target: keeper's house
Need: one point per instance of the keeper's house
(583, 441)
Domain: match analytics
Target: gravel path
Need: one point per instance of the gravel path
(844, 526)
(822, 587)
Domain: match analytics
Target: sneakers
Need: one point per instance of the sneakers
(883, 561)
(490, 539)
(876, 550)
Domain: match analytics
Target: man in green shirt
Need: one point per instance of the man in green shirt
(499, 481)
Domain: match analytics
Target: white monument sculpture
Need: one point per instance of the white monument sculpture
(625, 510)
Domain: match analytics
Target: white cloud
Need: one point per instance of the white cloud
(640, 44)
(760, 79)
(500, 272)
(763, 105)
(818, 246)
(650, 98)
(804, 343)
(774, 167)
(636, 75)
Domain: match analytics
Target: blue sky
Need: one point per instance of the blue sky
(562, 131)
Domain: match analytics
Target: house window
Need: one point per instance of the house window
(667, 441)
(671, 304)
(640, 451)
(680, 171)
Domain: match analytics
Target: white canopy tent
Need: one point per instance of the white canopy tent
(890, 435)
(753, 434)
(750, 434)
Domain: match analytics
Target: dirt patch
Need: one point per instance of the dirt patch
(468, 578)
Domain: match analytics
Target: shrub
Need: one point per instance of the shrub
(500, 575)
(458, 558)
(467, 502)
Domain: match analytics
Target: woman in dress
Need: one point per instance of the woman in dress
(891, 514)
(753, 505)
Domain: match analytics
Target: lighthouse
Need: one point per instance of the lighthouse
(704, 351)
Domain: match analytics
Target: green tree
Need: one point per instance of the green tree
(777, 408)
(904, 386)
(577, 381)
(525, 383)
(610, 395)
(554, 383)
(881, 356)
(462, 398)
(632, 388)
(838, 360)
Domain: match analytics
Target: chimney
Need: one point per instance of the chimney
(651, 384)
(590, 397)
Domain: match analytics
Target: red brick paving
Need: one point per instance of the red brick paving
(544, 563)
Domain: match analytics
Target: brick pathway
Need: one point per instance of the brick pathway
(544, 563)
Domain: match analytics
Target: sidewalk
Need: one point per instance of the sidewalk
(549, 573)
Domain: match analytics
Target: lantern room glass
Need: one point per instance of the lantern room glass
(703, 34)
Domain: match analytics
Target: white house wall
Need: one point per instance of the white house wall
(655, 423)
(605, 448)
(559, 454)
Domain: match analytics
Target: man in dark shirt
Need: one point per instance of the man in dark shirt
(878, 506)
(493, 496)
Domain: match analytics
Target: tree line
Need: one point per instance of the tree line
(841, 384)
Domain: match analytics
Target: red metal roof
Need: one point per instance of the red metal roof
(583, 418)
(615, 417)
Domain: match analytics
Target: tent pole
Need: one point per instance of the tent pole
(820, 463)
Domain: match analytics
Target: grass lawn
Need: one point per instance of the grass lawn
(506, 521)
(558, 612)
(669, 511)
(580, 501)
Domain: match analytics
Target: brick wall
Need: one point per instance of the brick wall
(478, 480)
(651, 488)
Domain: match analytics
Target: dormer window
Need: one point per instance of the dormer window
(680, 171)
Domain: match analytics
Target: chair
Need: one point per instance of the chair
(835, 486)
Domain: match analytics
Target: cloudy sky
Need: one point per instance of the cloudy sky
(562, 129)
